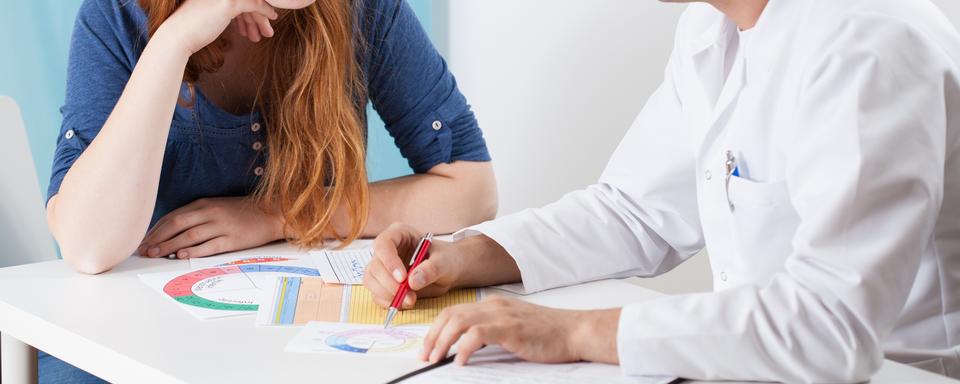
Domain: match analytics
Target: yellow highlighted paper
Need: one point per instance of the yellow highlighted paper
(300, 300)
(363, 310)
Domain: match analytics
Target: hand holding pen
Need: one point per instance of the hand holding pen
(419, 255)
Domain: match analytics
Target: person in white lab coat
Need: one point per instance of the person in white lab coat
(812, 147)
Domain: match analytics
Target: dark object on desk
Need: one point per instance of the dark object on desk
(447, 360)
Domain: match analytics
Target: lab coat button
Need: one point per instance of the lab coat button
(723, 276)
(437, 125)
(69, 134)
(255, 127)
(708, 175)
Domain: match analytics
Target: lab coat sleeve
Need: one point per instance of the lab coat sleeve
(865, 175)
(625, 225)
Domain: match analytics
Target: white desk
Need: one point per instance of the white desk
(116, 327)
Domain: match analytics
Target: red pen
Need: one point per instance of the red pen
(419, 255)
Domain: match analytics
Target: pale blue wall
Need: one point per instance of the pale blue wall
(34, 42)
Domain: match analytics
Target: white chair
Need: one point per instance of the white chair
(24, 237)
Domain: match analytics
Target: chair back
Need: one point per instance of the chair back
(24, 237)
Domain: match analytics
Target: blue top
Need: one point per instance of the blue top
(212, 153)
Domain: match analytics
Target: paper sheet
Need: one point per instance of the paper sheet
(227, 290)
(341, 338)
(344, 266)
(298, 300)
(496, 366)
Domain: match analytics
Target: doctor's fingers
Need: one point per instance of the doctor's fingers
(383, 287)
(435, 270)
(475, 338)
(393, 246)
(449, 326)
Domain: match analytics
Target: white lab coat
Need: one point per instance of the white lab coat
(840, 241)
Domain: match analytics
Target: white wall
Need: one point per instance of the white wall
(556, 84)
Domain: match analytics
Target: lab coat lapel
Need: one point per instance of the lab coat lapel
(718, 91)
(703, 80)
(774, 30)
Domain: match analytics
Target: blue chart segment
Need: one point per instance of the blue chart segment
(279, 269)
(288, 294)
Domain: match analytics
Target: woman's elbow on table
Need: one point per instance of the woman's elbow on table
(88, 257)
(92, 258)
(86, 262)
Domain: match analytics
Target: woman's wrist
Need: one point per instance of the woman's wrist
(170, 44)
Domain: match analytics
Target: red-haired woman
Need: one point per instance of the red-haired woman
(223, 125)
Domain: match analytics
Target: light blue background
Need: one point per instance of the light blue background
(34, 44)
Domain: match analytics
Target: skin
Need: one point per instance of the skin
(109, 193)
(530, 331)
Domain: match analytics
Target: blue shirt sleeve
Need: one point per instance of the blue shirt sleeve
(102, 57)
(414, 92)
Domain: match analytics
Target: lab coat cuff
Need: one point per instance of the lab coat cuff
(530, 280)
(637, 342)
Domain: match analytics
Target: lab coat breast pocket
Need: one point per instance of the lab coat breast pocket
(764, 223)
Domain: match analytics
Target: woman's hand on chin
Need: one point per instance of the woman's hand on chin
(210, 226)
(197, 23)
(255, 26)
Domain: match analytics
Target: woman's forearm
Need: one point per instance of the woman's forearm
(107, 197)
(446, 199)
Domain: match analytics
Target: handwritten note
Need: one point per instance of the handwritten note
(344, 266)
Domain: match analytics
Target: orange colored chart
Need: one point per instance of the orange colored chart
(299, 300)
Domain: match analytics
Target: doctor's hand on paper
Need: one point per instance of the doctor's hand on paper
(529, 331)
(210, 226)
(472, 262)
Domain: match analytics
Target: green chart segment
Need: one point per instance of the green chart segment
(180, 288)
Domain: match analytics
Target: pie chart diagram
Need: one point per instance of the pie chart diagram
(372, 341)
(227, 287)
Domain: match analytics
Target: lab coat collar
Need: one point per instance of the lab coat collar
(711, 36)
(768, 41)
(771, 29)
(770, 38)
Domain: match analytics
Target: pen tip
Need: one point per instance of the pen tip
(390, 314)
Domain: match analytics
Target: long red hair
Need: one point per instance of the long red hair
(311, 103)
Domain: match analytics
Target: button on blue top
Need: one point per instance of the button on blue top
(210, 152)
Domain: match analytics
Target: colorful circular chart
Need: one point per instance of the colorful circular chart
(190, 287)
(373, 340)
